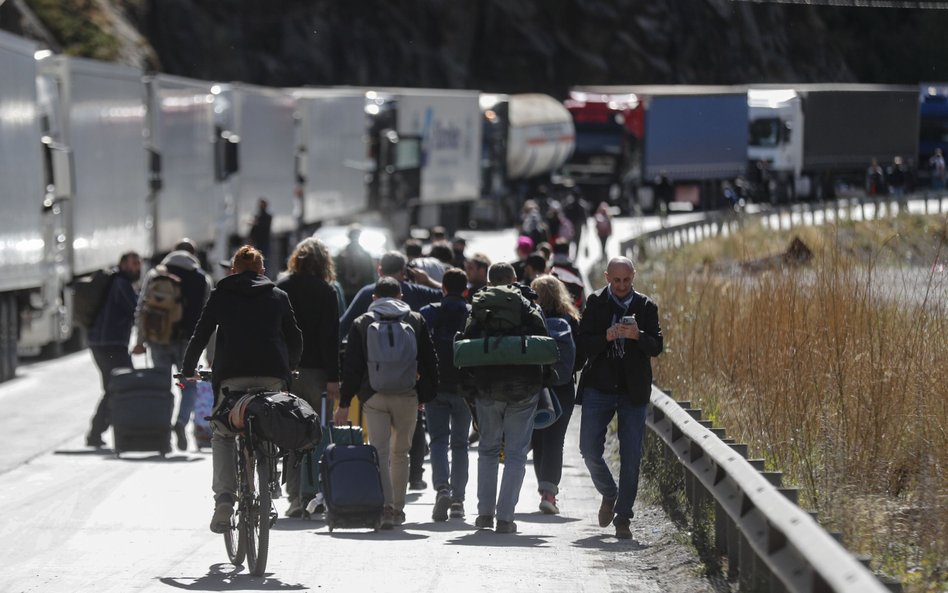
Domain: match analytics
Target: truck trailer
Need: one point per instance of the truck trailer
(817, 141)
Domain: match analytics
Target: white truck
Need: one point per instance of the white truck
(814, 141)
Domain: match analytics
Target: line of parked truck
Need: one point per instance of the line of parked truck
(805, 141)
(97, 159)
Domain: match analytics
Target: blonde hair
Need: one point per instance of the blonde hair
(311, 258)
(247, 259)
(553, 297)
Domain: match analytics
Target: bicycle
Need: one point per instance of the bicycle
(257, 481)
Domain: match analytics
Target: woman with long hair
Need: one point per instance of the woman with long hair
(309, 286)
(560, 313)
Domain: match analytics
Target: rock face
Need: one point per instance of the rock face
(535, 45)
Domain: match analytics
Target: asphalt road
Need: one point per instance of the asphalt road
(78, 519)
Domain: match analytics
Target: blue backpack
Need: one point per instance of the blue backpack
(561, 332)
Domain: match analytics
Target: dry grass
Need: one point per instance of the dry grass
(837, 373)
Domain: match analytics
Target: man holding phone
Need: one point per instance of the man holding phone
(620, 332)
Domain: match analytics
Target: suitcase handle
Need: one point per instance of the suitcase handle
(351, 433)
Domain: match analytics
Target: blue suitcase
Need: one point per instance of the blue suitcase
(352, 486)
(310, 485)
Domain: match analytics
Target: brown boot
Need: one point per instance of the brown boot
(606, 511)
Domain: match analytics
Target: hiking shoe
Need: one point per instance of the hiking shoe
(484, 522)
(441, 506)
(606, 513)
(457, 510)
(94, 440)
(399, 518)
(505, 526)
(220, 522)
(388, 517)
(180, 436)
(295, 511)
(548, 504)
(417, 485)
(622, 529)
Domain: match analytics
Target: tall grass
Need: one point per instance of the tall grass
(838, 374)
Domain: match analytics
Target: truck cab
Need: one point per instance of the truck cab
(775, 143)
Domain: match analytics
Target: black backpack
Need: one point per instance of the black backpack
(285, 420)
(449, 319)
(89, 294)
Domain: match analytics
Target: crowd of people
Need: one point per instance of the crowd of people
(265, 330)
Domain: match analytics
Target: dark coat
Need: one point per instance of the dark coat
(316, 307)
(257, 335)
(355, 372)
(415, 295)
(636, 364)
(113, 324)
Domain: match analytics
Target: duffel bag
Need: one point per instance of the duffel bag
(505, 350)
(282, 418)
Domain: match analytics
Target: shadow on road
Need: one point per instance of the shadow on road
(226, 577)
(132, 456)
(489, 539)
(543, 518)
(288, 524)
(441, 526)
(393, 535)
(606, 541)
(86, 452)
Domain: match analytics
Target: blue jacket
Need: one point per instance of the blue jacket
(113, 324)
(414, 295)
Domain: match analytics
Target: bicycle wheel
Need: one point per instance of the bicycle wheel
(257, 526)
(234, 538)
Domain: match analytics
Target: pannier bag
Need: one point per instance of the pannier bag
(505, 350)
(281, 418)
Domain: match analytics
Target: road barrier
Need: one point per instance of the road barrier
(770, 543)
(780, 217)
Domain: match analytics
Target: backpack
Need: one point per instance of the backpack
(162, 307)
(448, 322)
(497, 310)
(391, 347)
(560, 331)
(285, 420)
(89, 294)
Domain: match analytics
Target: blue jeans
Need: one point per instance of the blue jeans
(598, 410)
(171, 355)
(449, 421)
(507, 425)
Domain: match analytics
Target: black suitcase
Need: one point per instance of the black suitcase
(352, 486)
(141, 404)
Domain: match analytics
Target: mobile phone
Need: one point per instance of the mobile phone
(628, 320)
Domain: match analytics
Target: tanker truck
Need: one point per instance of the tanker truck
(526, 137)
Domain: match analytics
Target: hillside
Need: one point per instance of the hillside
(500, 45)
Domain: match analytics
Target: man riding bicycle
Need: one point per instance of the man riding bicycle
(258, 345)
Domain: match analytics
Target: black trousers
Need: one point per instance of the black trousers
(107, 358)
(419, 446)
(548, 442)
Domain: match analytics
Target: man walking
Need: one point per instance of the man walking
(620, 333)
(194, 285)
(391, 365)
(110, 334)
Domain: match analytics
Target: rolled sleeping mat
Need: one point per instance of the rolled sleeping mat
(548, 411)
(505, 350)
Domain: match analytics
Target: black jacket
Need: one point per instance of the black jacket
(355, 372)
(317, 313)
(257, 335)
(636, 365)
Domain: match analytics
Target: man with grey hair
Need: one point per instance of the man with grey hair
(620, 332)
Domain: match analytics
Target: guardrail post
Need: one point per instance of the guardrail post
(733, 554)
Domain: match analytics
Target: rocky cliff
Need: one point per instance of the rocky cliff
(515, 45)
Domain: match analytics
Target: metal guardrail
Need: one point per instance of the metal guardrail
(805, 213)
(771, 543)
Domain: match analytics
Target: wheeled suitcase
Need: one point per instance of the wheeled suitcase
(351, 484)
(141, 405)
(310, 486)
